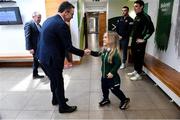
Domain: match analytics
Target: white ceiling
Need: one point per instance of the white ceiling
(91, 6)
(92, 0)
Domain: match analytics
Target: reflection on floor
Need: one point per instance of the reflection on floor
(23, 98)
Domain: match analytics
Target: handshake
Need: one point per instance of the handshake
(87, 52)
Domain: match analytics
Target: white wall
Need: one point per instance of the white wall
(12, 36)
(170, 57)
(74, 30)
(115, 8)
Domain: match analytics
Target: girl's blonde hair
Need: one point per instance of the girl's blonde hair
(113, 38)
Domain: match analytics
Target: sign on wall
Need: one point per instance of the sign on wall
(146, 8)
(163, 24)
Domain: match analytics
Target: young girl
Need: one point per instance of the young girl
(110, 64)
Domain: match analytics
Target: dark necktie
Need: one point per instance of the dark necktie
(39, 27)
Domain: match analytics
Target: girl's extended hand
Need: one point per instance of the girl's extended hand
(109, 75)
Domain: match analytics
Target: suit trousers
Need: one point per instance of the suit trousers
(56, 82)
(35, 65)
(107, 84)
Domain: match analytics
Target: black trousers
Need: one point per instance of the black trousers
(107, 84)
(138, 52)
(35, 65)
(124, 46)
(56, 82)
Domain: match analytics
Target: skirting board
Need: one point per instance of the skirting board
(168, 91)
(24, 63)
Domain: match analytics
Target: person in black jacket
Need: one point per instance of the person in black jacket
(142, 29)
(55, 40)
(32, 35)
(123, 28)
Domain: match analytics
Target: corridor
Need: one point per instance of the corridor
(22, 98)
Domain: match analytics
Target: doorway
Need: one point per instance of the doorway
(96, 26)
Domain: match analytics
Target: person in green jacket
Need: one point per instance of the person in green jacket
(142, 30)
(111, 62)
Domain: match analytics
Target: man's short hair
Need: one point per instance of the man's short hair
(65, 6)
(35, 14)
(140, 2)
(126, 7)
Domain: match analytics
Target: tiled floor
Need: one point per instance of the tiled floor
(22, 98)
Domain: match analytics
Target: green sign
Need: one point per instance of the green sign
(163, 24)
(146, 8)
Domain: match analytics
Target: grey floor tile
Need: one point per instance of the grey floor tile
(40, 101)
(95, 84)
(161, 100)
(80, 99)
(16, 101)
(42, 114)
(75, 115)
(67, 71)
(107, 115)
(8, 114)
(143, 114)
(23, 98)
(6, 86)
(80, 76)
(78, 85)
(140, 101)
(129, 86)
(171, 113)
(2, 95)
(15, 74)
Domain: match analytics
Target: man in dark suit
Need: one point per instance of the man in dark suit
(32, 36)
(55, 39)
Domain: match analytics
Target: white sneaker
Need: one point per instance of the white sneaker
(136, 77)
(132, 73)
(122, 66)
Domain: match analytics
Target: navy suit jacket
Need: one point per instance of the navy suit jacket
(55, 39)
(32, 35)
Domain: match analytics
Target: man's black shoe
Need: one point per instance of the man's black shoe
(67, 109)
(66, 99)
(104, 102)
(37, 76)
(124, 104)
(55, 102)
